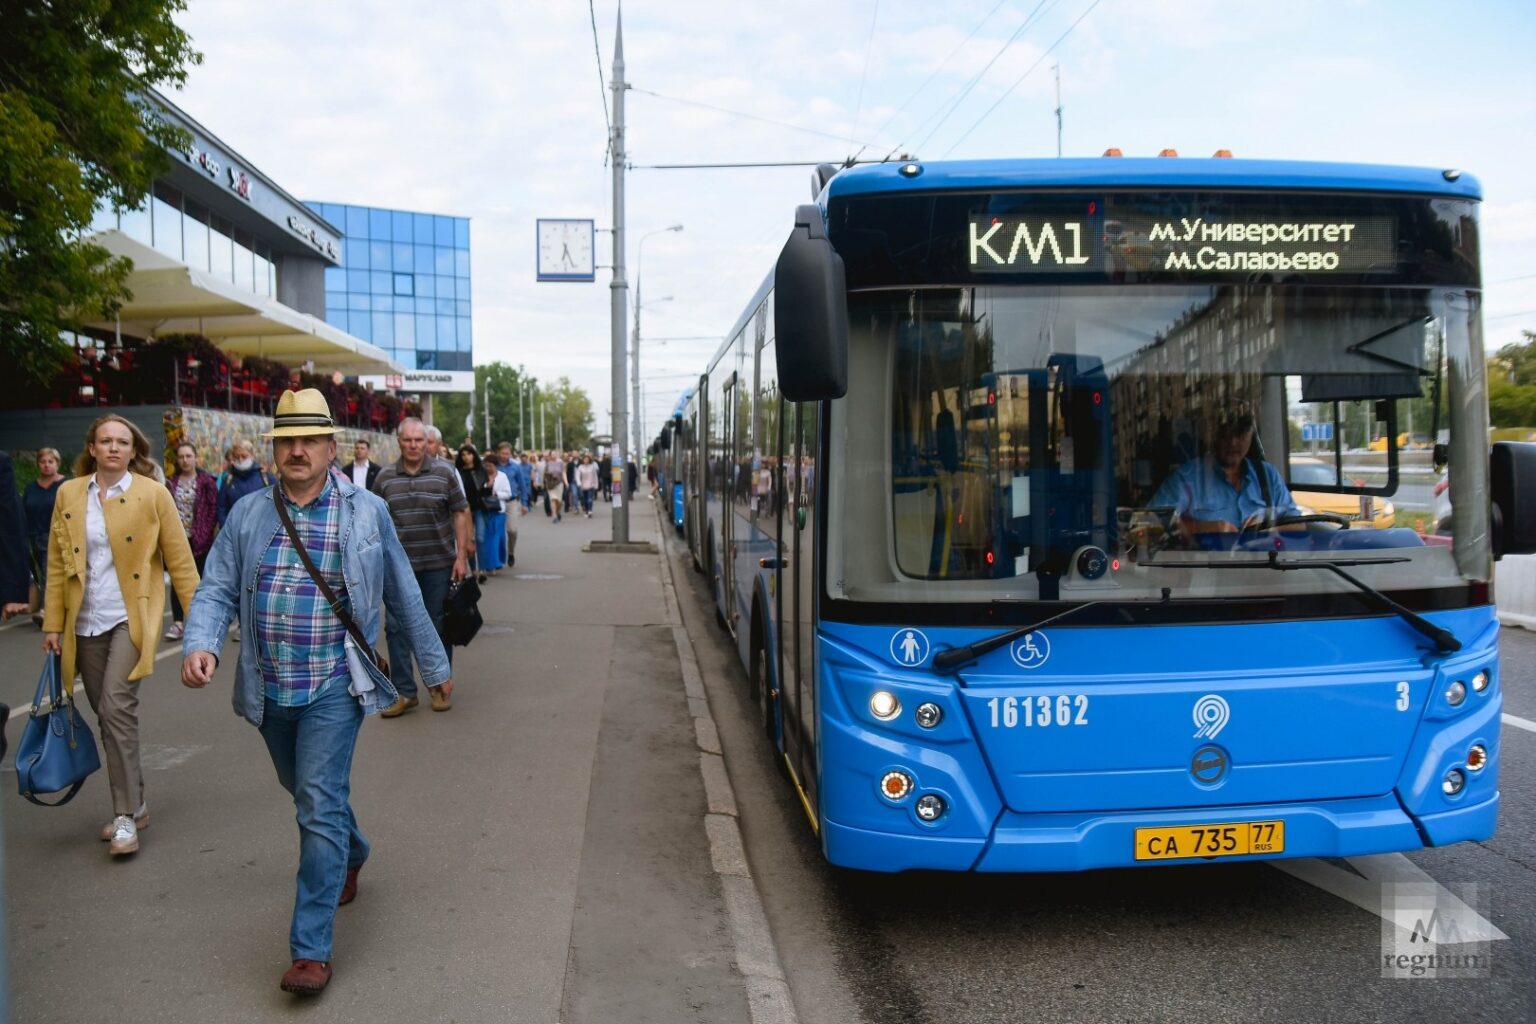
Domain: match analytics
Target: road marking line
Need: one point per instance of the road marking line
(1520, 723)
(168, 652)
(1368, 888)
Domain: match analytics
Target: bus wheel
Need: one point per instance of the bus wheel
(763, 693)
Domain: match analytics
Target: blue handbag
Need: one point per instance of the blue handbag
(57, 750)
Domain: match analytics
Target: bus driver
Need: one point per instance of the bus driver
(1221, 491)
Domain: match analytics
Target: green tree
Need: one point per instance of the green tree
(561, 401)
(1512, 384)
(73, 135)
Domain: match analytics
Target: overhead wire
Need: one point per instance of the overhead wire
(869, 44)
(750, 117)
(602, 89)
(1009, 91)
(933, 74)
(954, 104)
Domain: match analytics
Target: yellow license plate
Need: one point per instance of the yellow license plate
(1231, 839)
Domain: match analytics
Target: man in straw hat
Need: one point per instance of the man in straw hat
(300, 679)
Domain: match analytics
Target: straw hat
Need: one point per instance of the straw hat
(302, 414)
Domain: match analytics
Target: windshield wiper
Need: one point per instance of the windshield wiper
(955, 657)
(1443, 638)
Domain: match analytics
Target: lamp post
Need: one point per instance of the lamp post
(634, 355)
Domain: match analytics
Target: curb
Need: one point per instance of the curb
(757, 958)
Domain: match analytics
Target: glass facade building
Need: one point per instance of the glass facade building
(403, 284)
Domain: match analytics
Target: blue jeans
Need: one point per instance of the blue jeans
(311, 747)
(491, 539)
(434, 587)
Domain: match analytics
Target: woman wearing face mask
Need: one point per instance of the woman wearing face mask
(197, 502)
(245, 477)
(114, 535)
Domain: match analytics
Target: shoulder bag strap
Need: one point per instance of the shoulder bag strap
(363, 647)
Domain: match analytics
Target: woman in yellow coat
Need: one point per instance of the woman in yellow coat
(115, 533)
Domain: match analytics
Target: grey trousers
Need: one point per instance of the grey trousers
(105, 662)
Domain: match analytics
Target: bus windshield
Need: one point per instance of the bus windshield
(1123, 443)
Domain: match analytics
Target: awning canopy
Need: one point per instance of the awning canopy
(170, 297)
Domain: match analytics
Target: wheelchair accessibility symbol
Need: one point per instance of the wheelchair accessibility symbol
(909, 647)
(1031, 651)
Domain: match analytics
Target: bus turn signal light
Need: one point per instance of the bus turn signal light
(1477, 757)
(895, 786)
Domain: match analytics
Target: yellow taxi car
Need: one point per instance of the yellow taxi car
(1308, 470)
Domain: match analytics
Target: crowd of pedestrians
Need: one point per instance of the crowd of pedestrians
(294, 560)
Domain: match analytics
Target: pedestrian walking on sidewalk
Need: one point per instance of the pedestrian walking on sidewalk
(516, 471)
(426, 502)
(554, 484)
(294, 679)
(38, 500)
(115, 534)
(586, 482)
(197, 502)
(495, 496)
(245, 476)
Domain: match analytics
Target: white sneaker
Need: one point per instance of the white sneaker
(140, 820)
(125, 836)
(174, 633)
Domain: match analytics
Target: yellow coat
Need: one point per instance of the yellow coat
(147, 539)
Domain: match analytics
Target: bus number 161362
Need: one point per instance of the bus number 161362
(1042, 710)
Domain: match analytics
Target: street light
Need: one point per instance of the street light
(634, 354)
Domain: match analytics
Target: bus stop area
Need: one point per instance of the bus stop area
(539, 853)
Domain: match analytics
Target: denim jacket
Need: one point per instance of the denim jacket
(375, 568)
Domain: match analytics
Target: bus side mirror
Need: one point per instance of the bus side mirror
(810, 313)
(1512, 486)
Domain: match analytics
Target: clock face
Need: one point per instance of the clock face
(565, 250)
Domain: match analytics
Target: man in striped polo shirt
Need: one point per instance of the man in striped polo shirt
(427, 505)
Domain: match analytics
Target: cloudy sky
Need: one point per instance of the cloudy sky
(495, 111)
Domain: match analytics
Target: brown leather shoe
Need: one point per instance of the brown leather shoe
(306, 977)
(399, 707)
(440, 700)
(349, 887)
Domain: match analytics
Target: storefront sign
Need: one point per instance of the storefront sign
(424, 381)
(311, 234)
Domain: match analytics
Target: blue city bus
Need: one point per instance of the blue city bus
(991, 484)
(670, 450)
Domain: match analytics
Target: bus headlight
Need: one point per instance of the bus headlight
(1455, 782)
(930, 807)
(1456, 693)
(1480, 682)
(884, 705)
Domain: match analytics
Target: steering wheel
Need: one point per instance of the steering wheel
(1263, 521)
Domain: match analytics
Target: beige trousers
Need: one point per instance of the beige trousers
(105, 662)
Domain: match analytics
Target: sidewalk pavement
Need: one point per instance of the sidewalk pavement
(539, 852)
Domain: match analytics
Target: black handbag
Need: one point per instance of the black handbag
(57, 751)
(461, 612)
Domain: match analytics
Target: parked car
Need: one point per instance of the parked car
(1308, 470)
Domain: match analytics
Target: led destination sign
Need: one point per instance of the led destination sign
(1204, 243)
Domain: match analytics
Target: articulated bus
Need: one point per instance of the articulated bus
(993, 484)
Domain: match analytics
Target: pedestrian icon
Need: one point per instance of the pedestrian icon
(1032, 650)
(909, 647)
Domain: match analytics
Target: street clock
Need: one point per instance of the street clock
(566, 252)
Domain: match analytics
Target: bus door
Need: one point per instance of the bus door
(734, 482)
(799, 524)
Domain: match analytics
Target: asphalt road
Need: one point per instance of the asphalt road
(1224, 942)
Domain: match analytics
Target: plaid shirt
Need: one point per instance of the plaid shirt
(300, 639)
